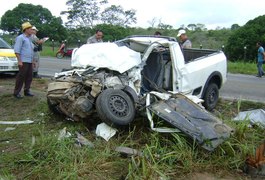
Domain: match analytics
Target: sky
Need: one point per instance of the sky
(212, 13)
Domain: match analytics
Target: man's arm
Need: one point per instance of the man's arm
(17, 49)
(19, 59)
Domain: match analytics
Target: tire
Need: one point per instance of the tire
(115, 107)
(59, 55)
(211, 96)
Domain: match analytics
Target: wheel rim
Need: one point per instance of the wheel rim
(59, 55)
(118, 106)
(212, 96)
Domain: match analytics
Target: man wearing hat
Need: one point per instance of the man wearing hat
(37, 47)
(185, 42)
(24, 52)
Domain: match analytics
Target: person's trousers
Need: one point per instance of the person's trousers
(24, 76)
(36, 60)
(260, 70)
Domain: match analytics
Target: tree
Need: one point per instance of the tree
(42, 18)
(115, 15)
(164, 26)
(152, 22)
(112, 32)
(88, 13)
(200, 27)
(192, 27)
(242, 43)
(235, 27)
(83, 12)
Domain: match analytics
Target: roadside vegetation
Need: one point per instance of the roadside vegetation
(33, 151)
(240, 67)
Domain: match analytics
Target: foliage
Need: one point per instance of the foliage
(88, 13)
(112, 32)
(242, 42)
(242, 67)
(115, 15)
(37, 15)
(83, 13)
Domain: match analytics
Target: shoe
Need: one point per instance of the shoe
(28, 94)
(37, 77)
(258, 76)
(18, 96)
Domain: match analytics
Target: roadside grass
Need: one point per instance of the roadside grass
(33, 151)
(240, 67)
(48, 51)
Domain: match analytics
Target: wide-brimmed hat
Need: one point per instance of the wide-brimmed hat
(26, 25)
(34, 28)
(182, 31)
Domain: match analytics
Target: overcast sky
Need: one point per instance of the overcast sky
(212, 13)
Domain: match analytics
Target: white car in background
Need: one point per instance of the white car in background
(8, 60)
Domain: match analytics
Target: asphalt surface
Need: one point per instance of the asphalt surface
(238, 86)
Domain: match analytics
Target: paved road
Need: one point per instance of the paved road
(50, 65)
(245, 87)
(238, 86)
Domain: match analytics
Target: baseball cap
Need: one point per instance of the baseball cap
(34, 28)
(182, 31)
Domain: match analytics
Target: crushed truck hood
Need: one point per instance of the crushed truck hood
(105, 55)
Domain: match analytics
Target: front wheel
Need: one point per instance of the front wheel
(59, 55)
(115, 107)
(211, 96)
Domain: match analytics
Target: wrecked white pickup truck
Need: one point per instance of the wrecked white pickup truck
(142, 72)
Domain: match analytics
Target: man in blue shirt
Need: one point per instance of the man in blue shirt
(24, 52)
(261, 57)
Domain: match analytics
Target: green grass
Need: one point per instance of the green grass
(33, 151)
(242, 67)
(49, 51)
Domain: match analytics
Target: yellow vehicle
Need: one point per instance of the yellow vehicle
(8, 60)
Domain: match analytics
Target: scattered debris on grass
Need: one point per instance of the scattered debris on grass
(64, 134)
(10, 129)
(105, 131)
(128, 151)
(256, 116)
(81, 140)
(17, 122)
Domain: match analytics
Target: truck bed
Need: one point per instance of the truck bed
(192, 54)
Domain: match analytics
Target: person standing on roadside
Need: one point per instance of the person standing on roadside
(24, 52)
(158, 34)
(185, 42)
(261, 58)
(37, 48)
(96, 38)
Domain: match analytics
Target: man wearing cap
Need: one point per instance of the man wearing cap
(37, 47)
(24, 52)
(185, 42)
(96, 38)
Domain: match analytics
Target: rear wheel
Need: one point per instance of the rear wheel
(211, 96)
(115, 107)
(59, 55)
